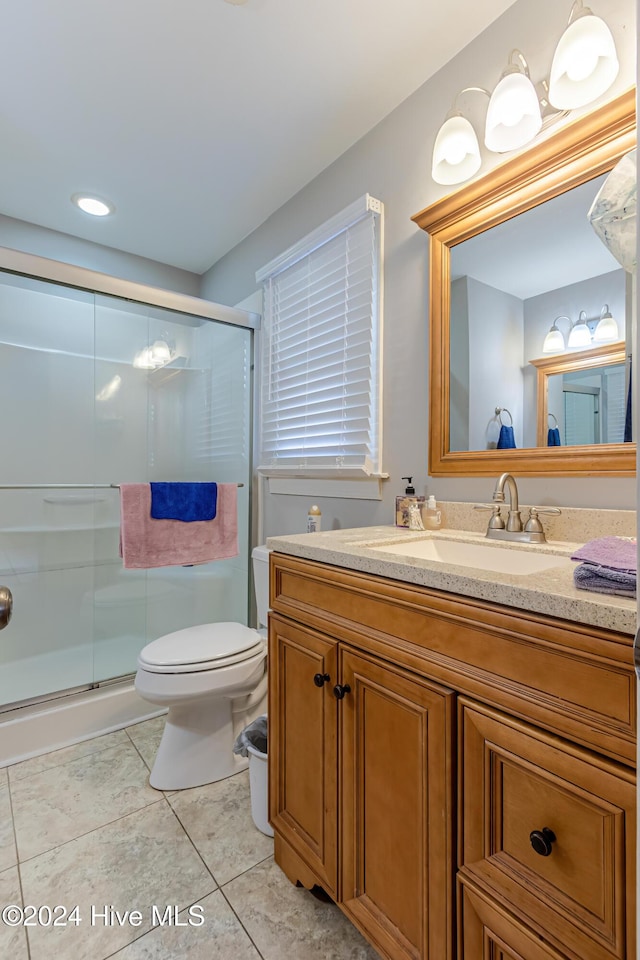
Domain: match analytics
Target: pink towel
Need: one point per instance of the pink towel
(148, 543)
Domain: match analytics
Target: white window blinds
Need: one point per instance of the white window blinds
(321, 350)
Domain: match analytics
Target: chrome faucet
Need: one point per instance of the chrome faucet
(514, 520)
(532, 532)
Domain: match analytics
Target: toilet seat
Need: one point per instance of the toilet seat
(209, 646)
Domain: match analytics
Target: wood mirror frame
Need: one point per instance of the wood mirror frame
(604, 355)
(578, 152)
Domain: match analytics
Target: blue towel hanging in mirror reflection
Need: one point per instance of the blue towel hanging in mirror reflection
(553, 433)
(506, 440)
(628, 432)
(553, 437)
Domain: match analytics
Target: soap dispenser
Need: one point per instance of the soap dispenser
(407, 504)
(432, 516)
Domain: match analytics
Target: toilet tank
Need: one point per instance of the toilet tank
(260, 557)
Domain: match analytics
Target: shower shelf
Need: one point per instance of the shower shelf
(72, 499)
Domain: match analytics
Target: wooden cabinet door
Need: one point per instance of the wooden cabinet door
(549, 830)
(487, 932)
(303, 755)
(396, 835)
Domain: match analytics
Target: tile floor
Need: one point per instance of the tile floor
(81, 826)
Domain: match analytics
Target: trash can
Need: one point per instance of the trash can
(252, 743)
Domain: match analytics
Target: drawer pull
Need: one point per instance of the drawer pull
(541, 841)
(321, 678)
(339, 690)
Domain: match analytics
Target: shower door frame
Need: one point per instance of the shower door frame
(70, 275)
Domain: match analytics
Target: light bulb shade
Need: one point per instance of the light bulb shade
(607, 328)
(513, 116)
(456, 154)
(143, 359)
(580, 335)
(585, 63)
(554, 341)
(160, 353)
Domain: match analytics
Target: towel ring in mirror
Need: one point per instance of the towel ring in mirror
(499, 412)
(555, 419)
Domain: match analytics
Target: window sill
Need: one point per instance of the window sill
(360, 488)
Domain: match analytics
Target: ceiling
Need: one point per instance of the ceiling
(530, 254)
(197, 118)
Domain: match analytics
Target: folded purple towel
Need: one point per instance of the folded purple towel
(589, 576)
(616, 553)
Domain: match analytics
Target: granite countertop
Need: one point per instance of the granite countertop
(549, 592)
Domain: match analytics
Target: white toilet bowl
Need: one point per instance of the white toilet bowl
(213, 678)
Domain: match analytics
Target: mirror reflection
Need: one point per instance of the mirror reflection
(509, 286)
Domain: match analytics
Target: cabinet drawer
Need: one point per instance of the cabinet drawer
(578, 891)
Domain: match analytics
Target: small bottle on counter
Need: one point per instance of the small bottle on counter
(314, 519)
(404, 505)
(432, 516)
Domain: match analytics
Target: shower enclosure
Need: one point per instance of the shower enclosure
(98, 390)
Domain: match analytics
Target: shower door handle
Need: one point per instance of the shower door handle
(6, 606)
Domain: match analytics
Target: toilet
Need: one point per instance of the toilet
(213, 679)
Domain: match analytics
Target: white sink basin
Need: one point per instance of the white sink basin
(479, 556)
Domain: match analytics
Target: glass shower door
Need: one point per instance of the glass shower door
(172, 403)
(46, 534)
(86, 408)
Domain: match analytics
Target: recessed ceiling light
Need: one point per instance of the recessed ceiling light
(92, 205)
(236, 3)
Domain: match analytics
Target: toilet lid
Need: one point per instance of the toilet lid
(207, 643)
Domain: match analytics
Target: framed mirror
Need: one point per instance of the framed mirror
(582, 397)
(504, 265)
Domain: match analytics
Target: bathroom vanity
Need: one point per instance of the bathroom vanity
(451, 748)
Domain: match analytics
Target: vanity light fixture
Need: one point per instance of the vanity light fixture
(585, 63)
(456, 152)
(513, 117)
(580, 335)
(159, 354)
(584, 66)
(607, 328)
(554, 340)
(93, 205)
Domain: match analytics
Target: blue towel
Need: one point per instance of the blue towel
(184, 501)
(553, 437)
(628, 434)
(506, 439)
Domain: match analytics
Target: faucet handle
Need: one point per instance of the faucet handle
(496, 522)
(533, 525)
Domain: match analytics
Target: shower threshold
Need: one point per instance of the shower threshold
(33, 728)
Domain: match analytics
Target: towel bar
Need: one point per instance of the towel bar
(65, 486)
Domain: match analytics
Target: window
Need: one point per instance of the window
(321, 350)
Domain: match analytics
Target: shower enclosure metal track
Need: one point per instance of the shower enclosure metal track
(65, 486)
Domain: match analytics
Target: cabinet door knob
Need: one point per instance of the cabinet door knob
(339, 690)
(541, 841)
(321, 678)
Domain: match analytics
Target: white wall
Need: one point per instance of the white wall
(495, 369)
(393, 163)
(30, 238)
